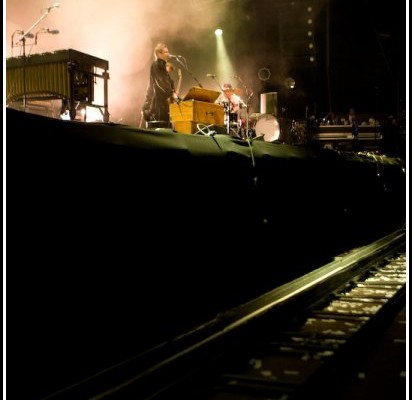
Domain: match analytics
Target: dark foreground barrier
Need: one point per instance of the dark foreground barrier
(122, 237)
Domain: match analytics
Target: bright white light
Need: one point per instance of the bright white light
(85, 114)
(218, 32)
(94, 114)
(65, 116)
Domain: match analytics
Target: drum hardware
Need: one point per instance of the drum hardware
(226, 104)
(226, 112)
(236, 125)
(244, 129)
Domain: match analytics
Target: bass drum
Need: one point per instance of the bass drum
(267, 126)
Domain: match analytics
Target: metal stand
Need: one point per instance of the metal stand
(240, 132)
(226, 110)
(226, 106)
(25, 34)
(182, 61)
(247, 134)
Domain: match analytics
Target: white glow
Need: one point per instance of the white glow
(224, 66)
(93, 114)
(218, 32)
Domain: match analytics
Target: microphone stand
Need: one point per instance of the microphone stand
(184, 65)
(23, 40)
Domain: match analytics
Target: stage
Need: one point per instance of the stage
(110, 225)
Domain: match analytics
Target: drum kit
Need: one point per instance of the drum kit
(267, 125)
(243, 125)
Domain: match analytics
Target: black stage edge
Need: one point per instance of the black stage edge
(119, 238)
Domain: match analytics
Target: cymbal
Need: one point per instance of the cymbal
(254, 116)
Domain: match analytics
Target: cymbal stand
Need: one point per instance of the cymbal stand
(226, 112)
(226, 105)
(249, 95)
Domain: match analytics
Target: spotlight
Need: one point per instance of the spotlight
(218, 32)
(290, 83)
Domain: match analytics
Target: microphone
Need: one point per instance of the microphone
(55, 5)
(211, 75)
(24, 35)
(173, 56)
(46, 30)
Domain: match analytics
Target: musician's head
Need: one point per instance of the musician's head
(161, 51)
(228, 88)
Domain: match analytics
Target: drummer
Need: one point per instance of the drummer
(230, 97)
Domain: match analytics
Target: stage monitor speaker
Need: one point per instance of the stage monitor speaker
(269, 103)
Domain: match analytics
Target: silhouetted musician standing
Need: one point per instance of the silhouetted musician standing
(160, 88)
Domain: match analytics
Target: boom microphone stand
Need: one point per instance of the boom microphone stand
(25, 34)
(182, 61)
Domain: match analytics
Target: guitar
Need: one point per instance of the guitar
(177, 88)
(179, 82)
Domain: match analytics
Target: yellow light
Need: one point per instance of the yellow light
(218, 32)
